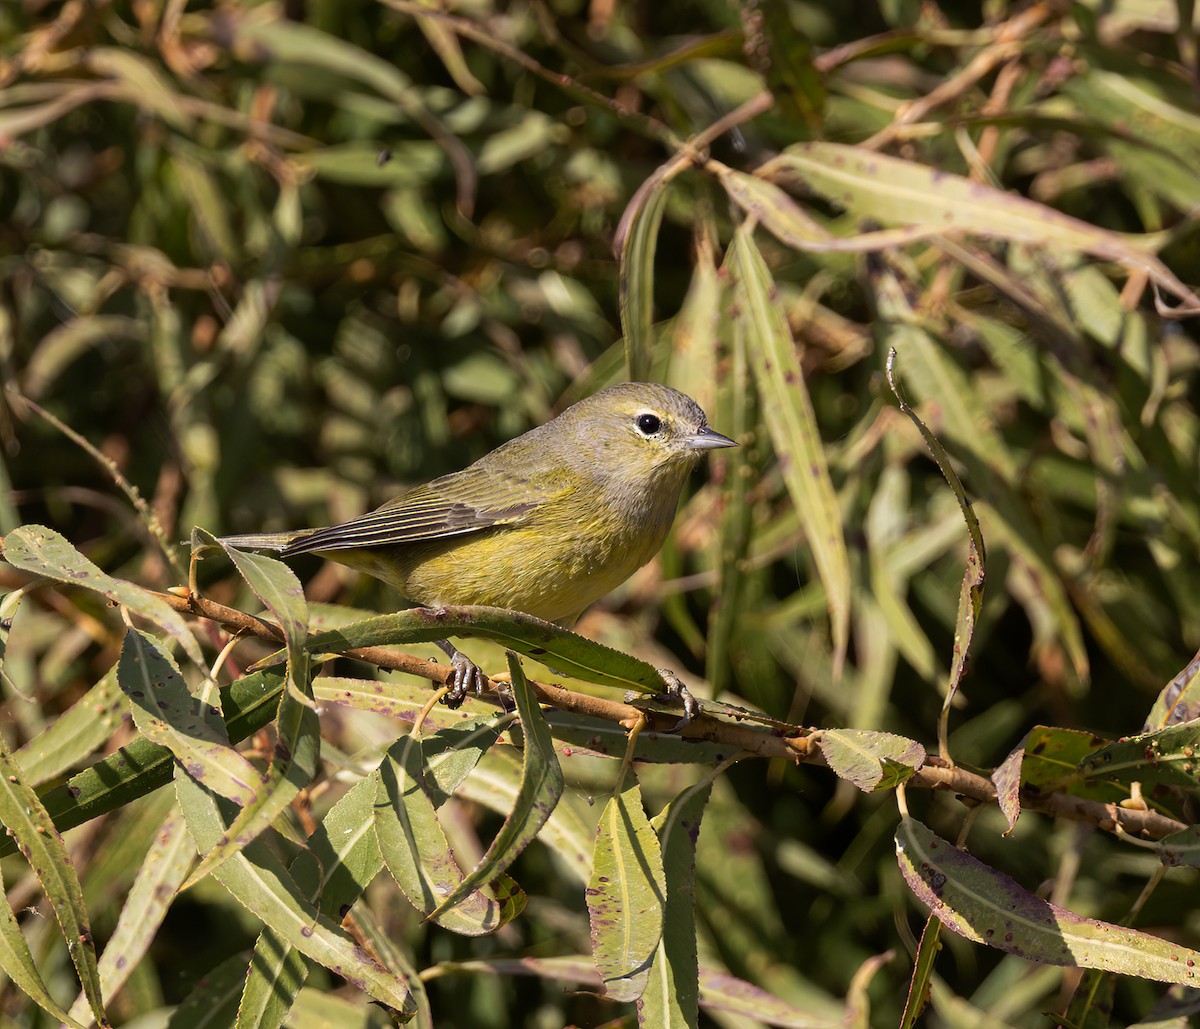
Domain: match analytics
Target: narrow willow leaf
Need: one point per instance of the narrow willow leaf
(627, 894)
(1052, 762)
(1091, 1004)
(541, 787)
(922, 975)
(293, 766)
(142, 767)
(899, 192)
(569, 831)
(17, 963)
(1179, 701)
(789, 223)
(858, 1002)
(639, 241)
(389, 951)
(213, 1000)
(579, 735)
(871, 760)
(989, 907)
(720, 991)
(164, 868)
(573, 969)
(1181, 848)
(449, 50)
(548, 644)
(792, 426)
(167, 713)
(298, 730)
(258, 881)
(452, 754)
(276, 585)
(1007, 780)
(1170, 756)
(91, 721)
(415, 848)
(970, 598)
(42, 551)
(144, 80)
(402, 701)
(740, 416)
(992, 470)
(672, 995)
(341, 860)
(27, 821)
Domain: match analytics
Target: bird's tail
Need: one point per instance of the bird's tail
(264, 540)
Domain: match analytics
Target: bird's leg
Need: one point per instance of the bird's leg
(677, 691)
(466, 676)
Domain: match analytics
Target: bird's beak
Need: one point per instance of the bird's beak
(706, 439)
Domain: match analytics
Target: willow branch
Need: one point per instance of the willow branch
(757, 740)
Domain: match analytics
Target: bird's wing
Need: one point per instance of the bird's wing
(454, 505)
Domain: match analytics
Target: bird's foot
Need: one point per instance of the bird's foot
(465, 677)
(676, 691)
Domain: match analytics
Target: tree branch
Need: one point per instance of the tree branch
(935, 774)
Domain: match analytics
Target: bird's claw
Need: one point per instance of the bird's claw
(465, 676)
(678, 692)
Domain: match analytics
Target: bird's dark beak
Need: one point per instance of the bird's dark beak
(706, 439)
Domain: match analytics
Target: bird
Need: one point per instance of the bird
(545, 524)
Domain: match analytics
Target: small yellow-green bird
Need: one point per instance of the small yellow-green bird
(546, 524)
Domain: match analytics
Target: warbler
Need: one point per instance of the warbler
(546, 523)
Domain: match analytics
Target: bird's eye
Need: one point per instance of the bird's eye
(648, 424)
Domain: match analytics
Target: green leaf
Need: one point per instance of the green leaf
(1180, 699)
(898, 192)
(989, 907)
(415, 848)
(167, 713)
(1170, 756)
(213, 1000)
(626, 897)
(42, 551)
(297, 755)
(27, 821)
(1091, 1005)
(341, 860)
(635, 275)
(970, 597)
(871, 760)
(720, 991)
(541, 787)
(153, 891)
(792, 425)
(1052, 762)
(394, 699)
(570, 830)
(258, 881)
(548, 644)
(922, 975)
(18, 964)
(142, 767)
(92, 720)
(672, 995)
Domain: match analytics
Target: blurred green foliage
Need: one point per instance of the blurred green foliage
(276, 260)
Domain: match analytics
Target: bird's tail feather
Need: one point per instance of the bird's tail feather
(264, 540)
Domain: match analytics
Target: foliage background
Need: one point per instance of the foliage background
(278, 260)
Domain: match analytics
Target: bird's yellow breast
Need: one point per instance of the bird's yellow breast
(567, 554)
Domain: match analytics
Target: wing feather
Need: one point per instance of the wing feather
(451, 506)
